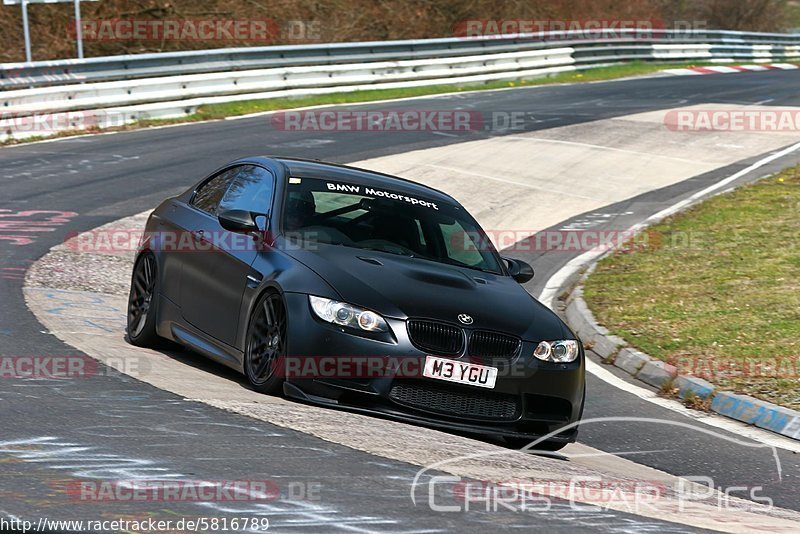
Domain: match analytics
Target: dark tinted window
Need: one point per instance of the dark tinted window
(374, 218)
(210, 193)
(251, 190)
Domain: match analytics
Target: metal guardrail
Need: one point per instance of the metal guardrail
(117, 89)
(111, 68)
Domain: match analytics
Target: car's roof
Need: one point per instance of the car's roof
(342, 173)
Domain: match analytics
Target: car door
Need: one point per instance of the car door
(214, 274)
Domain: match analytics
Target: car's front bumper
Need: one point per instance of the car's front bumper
(531, 398)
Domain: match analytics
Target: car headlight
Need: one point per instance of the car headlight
(344, 314)
(564, 351)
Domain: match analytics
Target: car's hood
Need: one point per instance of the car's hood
(401, 287)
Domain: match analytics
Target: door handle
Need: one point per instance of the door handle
(199, 235)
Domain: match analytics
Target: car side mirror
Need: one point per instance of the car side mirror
(519, 270)
(238, 221)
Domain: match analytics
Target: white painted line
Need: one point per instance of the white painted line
(554, 284)
(548, 294)
(722, 183)
(723, 423)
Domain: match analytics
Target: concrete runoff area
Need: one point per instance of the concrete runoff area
(535, 180)
(545, 177)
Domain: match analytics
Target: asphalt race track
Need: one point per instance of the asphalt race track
(115, 427)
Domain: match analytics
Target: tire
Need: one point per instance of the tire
(143, 302)
(265, 348)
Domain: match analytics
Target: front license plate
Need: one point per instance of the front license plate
(460, 372)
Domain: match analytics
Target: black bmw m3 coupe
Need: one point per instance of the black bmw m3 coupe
(345, 287)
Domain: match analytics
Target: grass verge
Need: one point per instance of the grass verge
(715, 290)
(591, 75)
(232, 109)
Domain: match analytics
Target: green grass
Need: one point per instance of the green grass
(232, 109)
(716, 290)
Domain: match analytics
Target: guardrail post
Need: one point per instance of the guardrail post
(78, 29)
(26, 31)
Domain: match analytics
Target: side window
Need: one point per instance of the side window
(460, 244)
(209, 195)
(251, 189)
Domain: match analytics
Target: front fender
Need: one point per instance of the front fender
(280, 273)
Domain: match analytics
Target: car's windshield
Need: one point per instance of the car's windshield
(376, 218)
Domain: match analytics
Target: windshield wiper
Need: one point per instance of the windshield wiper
(395, 252)
(456, 263)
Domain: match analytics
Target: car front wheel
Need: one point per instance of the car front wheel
(266, 344)
(142, 302)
